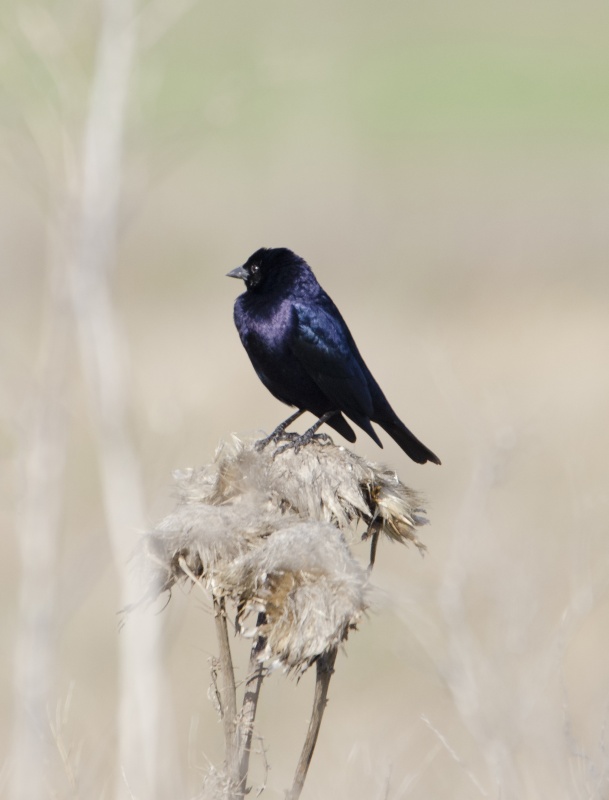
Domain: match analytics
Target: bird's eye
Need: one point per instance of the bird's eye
(254, 268)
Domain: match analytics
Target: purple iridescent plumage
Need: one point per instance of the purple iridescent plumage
(303, 351)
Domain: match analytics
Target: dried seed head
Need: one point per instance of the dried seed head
(396, 510)
(321, 482)
(204, 537)
(309, 587)
(268, 532)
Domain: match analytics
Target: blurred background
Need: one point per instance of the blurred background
(444, 168)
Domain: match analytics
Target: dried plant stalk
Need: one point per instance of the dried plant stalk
(228, 692)
(253, 685)
(324, 672)
(270, 532)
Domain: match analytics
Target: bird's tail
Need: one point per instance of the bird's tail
(408, 441)
(340, 424)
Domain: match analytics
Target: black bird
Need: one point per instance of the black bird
(303, 352)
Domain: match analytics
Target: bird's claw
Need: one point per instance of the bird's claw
(294, 443)
(262, 443)
(297, 441)
(282, 436)
(284, 447)
(295, 446)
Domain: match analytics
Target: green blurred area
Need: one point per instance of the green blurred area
(470, 72)
(400, 70)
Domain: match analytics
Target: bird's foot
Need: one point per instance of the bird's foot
(279, 434)
(307, 436)
(295, 445)
(274, 438)
(296, 441)
(322, 438)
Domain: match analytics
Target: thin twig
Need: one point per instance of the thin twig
(253, 684)
(373, 546)
(228, 693)
(454, 755)
(265, 762)
(325, 669)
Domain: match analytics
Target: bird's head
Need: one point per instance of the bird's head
(265, 265)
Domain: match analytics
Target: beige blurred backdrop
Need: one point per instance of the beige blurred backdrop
(444, 168)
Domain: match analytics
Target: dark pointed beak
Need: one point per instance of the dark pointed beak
(238, 272)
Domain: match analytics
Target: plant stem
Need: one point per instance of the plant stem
(253, 684)
(373, 545)
(228, 691)
(325, 669)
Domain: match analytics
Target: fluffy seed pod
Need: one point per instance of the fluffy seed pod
(268, 531)
(309, 587)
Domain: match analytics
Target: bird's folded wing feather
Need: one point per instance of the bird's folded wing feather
(323, 345)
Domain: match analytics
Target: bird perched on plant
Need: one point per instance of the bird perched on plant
(303, 352)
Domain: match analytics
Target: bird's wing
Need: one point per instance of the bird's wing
(323, 345)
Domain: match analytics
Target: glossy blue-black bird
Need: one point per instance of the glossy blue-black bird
(303, 352)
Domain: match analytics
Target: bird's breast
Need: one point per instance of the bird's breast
(265, 328)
